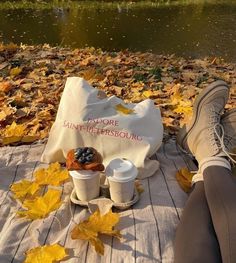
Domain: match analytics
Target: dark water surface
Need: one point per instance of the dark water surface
(193, 30)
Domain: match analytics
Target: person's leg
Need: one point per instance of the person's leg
(195, 236)
(209, 136)
(220, 189)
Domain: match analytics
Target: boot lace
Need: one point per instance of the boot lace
(221, 136)
(214, 120)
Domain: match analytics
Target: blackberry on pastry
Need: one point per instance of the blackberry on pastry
(84, 158)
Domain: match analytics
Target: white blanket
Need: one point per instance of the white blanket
(148, 227)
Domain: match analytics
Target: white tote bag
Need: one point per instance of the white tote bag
(86, 117)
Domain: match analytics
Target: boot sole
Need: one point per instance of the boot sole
(184, 132)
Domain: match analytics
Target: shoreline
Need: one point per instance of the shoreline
(11, 5)
(32, 79)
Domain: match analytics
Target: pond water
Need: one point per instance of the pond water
(189, 30)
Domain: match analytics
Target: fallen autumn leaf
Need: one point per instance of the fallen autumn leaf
(95, 224)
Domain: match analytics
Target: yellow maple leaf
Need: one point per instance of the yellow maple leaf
(23, 188)
(175, 98)
(16, 133)
(44, 114)
(13, 133)
(147, 93)
(14, 130)
(41, 206)
(45, 254)
(184, 108)
(52, 175)
(6, 111)
(5, 86)
(15, 71)
(122, 109)
(29, 138)
(181, 105)
(184, 178)
(95, 224)
(152, 94)
(13, 139)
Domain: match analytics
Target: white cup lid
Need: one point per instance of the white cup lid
(121, 170)
(83, 174)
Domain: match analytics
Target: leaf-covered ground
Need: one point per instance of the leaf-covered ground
(32, 79)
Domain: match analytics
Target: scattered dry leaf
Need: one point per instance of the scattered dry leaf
(122, 109)
(14, 130)
(147, 93)
(184, 107)
(152, 94)
(6, 112)
(16, 133)
(184, 178)
(41, 206)
(15, 71)
(5, 86)
(23, 188)
(131, 76)
(53, 175)
(45, 254)
(27, 139)
(13, 133)
(95, 224)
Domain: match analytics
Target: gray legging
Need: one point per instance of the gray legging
(207, 229)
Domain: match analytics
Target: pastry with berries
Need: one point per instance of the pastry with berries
(84, 158)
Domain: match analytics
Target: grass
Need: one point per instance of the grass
(68, 4)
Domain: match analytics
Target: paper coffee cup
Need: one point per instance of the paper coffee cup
(121, 174)
(87, 184)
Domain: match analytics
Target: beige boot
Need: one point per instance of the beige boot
(228, 121)
(199, 137)
(227, 139)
